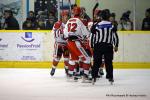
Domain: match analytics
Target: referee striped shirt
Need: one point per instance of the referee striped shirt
(104, 33)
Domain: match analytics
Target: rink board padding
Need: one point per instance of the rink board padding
(17, 51)
(118, 65)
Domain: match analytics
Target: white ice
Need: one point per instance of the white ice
(37, 84)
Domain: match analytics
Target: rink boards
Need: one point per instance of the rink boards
(118, 65)
(34, 49)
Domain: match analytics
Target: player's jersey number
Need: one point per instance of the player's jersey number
(72, 27)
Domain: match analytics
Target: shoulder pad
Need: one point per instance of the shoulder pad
(57, 24)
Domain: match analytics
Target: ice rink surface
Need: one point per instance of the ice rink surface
(37, 84)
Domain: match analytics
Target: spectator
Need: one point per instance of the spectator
(125, 23)
(49, 23)
(113, 21)
(40, 24)
(28, 25)
(52, 16)
(51, 20)
(10, 21)
(146, 20)
(126, 15)
(31, 16)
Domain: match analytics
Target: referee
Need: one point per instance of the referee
(104, 40)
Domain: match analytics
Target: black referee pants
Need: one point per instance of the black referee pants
(101, 49)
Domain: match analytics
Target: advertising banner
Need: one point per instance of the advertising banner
(23, 46)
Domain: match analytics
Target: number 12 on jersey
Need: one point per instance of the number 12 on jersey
(72, 27)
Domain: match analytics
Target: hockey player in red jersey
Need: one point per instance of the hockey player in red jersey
(75, 32)
(60, 46)
(84, 19)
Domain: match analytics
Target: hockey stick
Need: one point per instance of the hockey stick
(93, 25)
(96, 5)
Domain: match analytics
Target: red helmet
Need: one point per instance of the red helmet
(64, 13)
(76, 10)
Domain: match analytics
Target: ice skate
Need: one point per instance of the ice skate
(93, 81)
(101, 72)
(72, 78)
(90, 77)
(66, 71)
(52, 71)
(75, 78)
(69, 77)
(99, 76)
(111, 81)
(86, 79)
(78, 76)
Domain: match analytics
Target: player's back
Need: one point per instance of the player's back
(75, 27)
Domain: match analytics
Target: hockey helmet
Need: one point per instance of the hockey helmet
(76, 10)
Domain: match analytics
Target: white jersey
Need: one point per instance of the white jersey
(57, 30)
(74, 27)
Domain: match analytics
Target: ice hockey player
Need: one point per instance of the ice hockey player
(60, 46)
(84, 19)
(75, 32)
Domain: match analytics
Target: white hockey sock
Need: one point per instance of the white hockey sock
(66, 67)
(86, 72)
(54, 67)
(70, 72)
